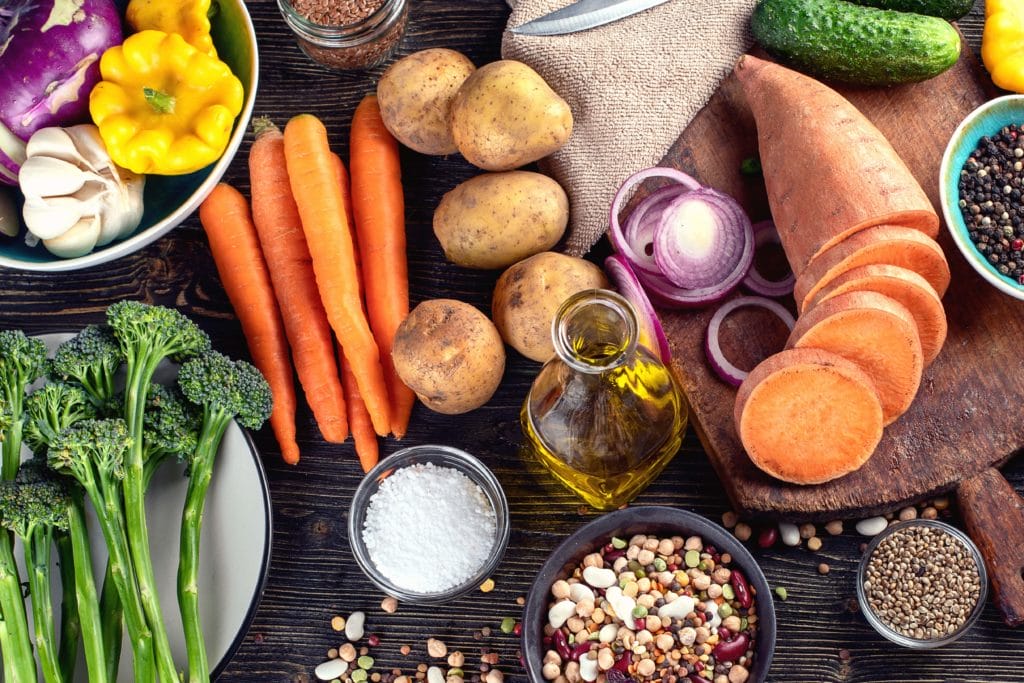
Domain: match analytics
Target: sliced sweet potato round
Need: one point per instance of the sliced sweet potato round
(807, 416)
(903, 285)
(877, 333)
(888, 244)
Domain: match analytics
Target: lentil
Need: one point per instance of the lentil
(338, 623)
(487, 586)
(922, 582)
(990, 189)
(823, 568)
(672, 627)
(347, 34)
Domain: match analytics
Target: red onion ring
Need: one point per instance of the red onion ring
(712, 344)
(639, 227)
(616, 235)
(765, 233)
(622, 274)
(692, 263)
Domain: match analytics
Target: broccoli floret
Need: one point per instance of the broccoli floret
(224, 389)
(91, 451)
(34, 506)
(150, 333)
(50, 410)
(170, 428)
(22, 361)
(91, 358)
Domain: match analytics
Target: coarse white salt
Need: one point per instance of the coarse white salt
(429, 528)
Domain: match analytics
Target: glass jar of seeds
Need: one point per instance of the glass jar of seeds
(922, 583)
(346, 34)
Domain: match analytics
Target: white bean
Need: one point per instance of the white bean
(331, 669)
(790, 533)
(599, 577)
(579, 592)
(560, 612)
(354, 626)
(872, 526)
(435, 675)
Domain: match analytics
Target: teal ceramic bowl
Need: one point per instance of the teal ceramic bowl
(168, 200)
(987, 119)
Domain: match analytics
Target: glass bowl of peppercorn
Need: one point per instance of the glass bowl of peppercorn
(922, 583)
(981, 180)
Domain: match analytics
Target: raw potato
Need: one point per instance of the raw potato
(497, 219)
(450, 354)
(528, 295)
(505, 116)
(415, 96)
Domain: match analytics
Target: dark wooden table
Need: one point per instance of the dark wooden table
(822, 636)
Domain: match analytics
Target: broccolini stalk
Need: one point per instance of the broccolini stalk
(22, 361)
(92, 451)
(70, 618)
(111, 625)
(147, 335)
(85, 595)
(224, 389)
(32, 506)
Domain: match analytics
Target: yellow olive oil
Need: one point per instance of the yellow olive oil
(605, 415)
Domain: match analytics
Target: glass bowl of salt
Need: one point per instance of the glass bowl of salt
(428, 524)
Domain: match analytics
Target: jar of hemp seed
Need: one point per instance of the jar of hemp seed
(346, 34)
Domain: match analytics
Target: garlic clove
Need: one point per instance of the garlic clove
(134, 186)
(78, 241)
(49, 177)
(53, 142)
(86, 139)
(51, 217)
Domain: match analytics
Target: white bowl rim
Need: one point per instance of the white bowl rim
(966, 247)
(154, 232)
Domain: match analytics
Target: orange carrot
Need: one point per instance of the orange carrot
(367, 447)
(315, 186)
(291, 272)
(379, 209)
(875, 332)
(807, 416)
(243, 272)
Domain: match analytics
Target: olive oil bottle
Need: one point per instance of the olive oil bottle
(605, 415)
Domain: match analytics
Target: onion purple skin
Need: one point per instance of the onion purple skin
(46, 75)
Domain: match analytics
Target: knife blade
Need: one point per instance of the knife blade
(583, 14)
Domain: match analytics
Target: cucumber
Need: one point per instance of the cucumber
(950, 10)
(842, 41)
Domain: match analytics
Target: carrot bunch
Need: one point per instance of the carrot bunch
(298, 268)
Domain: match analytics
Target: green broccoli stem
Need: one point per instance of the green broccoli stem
(85, 595)
(38, 548)
(70, 619)
(5, 645)
(139, 377)
(111, 519)
(11, 447)
(112, 625)
(12, 605)
(215, 423)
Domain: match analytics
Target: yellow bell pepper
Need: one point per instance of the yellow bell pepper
(163, 106)
(188, 18)
(1002, 43)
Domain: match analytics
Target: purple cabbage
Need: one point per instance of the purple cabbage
(49, 62)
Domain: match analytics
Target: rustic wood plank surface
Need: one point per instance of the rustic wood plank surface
(313, 576)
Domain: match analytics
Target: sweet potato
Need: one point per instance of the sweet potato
(828, 171)
(888, 244)
(807, 416)
(906, 287)
(875, 332)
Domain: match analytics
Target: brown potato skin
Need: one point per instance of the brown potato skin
(505, 116)
(450, 354)
(415, 96)
(528, 295)
(497, 219)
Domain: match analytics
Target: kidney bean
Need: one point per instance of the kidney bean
(694, 678)
(613, 555)
(698, 666)
(639, 623)
(724, 633)
(623, 662)
(730, 651)
(548, 641)
(579, 650)
(741, 588)
(562, 645)
(768, 536)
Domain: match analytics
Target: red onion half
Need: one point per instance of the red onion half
(712, 344)
(765, 233)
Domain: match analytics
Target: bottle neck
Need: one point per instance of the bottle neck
(594, 331)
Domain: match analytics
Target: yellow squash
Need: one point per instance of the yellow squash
(163, 106)
(1002, 43)
(188, 18)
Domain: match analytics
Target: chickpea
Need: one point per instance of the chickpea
(560, 589)
(714, 591)
(550, 671)
(572, 672)
(694, 543)
(552, 657)
(593, 560)
(651, 544)
(721, 575)
(585, 607)
(665, 547)
(702, 582)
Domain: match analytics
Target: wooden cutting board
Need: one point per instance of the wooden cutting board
(967, 417)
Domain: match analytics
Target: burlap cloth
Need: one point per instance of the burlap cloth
(633, 86)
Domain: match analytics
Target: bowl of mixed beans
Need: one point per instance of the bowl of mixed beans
(649, 595)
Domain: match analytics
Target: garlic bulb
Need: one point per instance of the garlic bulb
(76, 198)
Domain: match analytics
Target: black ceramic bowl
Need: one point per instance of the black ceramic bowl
(625, 523)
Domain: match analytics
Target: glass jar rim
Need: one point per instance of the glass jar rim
(342, 35)
(576, 304)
